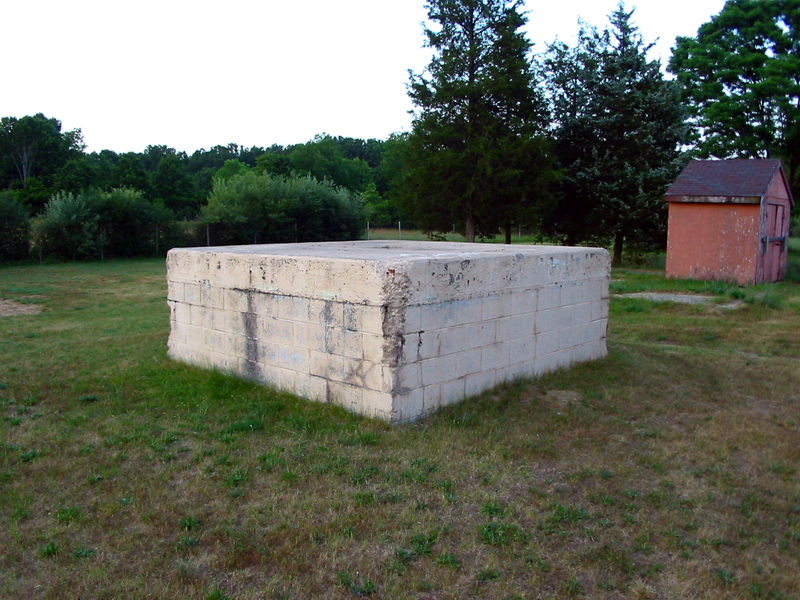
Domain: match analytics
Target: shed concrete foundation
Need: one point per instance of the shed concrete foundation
(390, 330)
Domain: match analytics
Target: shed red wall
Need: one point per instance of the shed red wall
(714, 241)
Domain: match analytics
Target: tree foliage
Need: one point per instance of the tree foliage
(323, 159)
(740, 76)
(260, 208)
(14, 227)
(619, 126)
(97, 224)
(478, 114)
(34, 147)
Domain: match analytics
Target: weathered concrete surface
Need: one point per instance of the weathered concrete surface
(390, 330)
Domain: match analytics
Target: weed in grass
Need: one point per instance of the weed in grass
(49, 550)
(642, 543)
(562, 516)
(244, 426)
(613, 557)
(393, 498)
(757, 591)
(365, 498)
(190, 523)
(68, 514)
(126, 501)
(88, 398)
(488, 575)
(188, 541)
(540, 563)
(782, 470)
(29, 455)
(364, 587)
(365, 474)
(725, 576)
(448, 560)
(606, 474)
(405, 555)
(496, 533)
(272, 460)
(420, 470)
(631, 494)
(573, 588)
(494, 510)
(422, 544)
(289, 476)
(237, 478)
(84, 553)
(217, 594)
(359, 438)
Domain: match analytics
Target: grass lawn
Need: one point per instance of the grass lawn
(671, 469)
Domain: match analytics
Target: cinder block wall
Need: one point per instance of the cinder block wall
(388, 330)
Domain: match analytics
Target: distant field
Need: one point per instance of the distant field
(671, 469)
(386, 233)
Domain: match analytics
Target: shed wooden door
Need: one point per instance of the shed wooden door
(775, 240)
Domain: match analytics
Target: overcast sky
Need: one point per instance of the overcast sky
(195, 73)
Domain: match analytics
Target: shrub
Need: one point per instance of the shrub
(119, 222)
(254, 208)
(68, 227)
(14, 227)
(128, 222)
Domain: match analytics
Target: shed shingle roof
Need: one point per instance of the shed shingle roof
(734, 178)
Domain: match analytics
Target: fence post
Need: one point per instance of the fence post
(399, 231)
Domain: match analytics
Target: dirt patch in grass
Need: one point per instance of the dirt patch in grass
(681, 299)
(12, 308)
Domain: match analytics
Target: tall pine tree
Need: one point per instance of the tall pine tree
(474, 157)
(619, 126)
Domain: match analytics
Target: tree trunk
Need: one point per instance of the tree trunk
(619, 238)
(508, 233)
(469, 227)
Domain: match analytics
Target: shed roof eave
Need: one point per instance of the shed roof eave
(715, 199)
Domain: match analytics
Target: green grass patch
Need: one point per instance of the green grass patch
(670, 465)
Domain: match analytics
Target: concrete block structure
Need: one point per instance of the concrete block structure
(390, 330)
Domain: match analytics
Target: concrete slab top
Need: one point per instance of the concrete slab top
(387, 250)
(385, 272)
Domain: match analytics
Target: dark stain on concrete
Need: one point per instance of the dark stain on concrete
(250, 323)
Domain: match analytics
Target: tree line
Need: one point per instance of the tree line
(577, 143)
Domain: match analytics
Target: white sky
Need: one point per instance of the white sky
(195, 73)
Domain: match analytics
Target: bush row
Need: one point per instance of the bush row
(242, 209)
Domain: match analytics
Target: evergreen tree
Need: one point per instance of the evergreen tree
(473, 145)
(619, 128)
(741, 78)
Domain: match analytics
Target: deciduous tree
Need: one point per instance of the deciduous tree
(741, 77)
(35, 147)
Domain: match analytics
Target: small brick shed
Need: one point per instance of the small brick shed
(729, 220)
